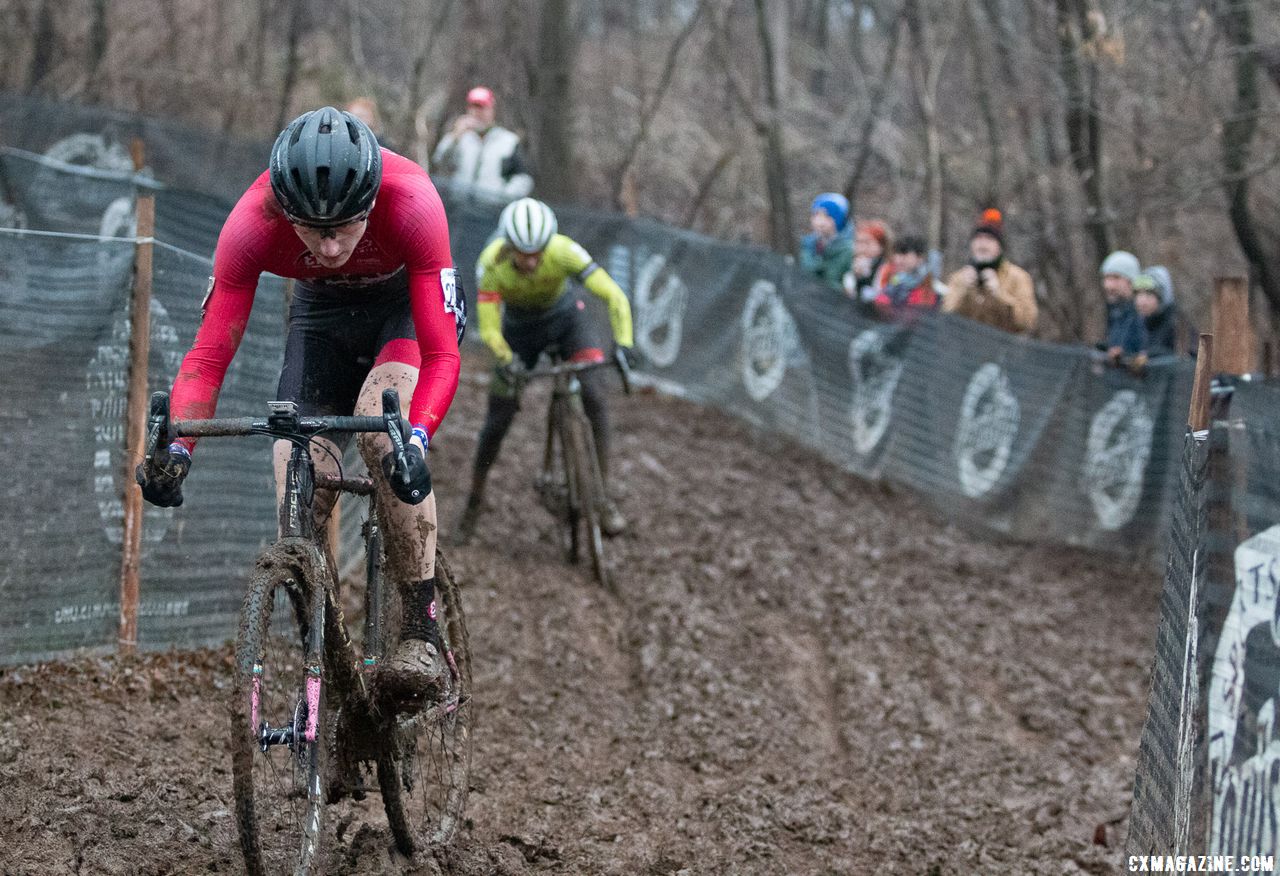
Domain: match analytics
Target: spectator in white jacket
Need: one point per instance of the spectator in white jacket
(482, 156)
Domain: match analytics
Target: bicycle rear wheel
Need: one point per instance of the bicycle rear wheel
(424, 770)
(277, 699)
(581, 455)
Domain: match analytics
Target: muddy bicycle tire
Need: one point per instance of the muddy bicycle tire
(590, 491)
(424, 771)
(280, 794)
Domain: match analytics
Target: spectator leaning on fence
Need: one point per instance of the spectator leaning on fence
(482, 156)
(871, 267)
(910, 287)
(1126, 331)
(991, 288)
(1153, 299)
(827, 250)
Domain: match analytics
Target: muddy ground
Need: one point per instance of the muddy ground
(804, 674)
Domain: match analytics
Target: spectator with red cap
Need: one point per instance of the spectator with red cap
(871, 264)
(991, 288)
(485, 158)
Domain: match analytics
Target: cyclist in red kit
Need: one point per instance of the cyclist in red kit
(376, 306)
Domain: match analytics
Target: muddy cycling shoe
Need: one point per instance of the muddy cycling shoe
(416, 675)
(611, 520)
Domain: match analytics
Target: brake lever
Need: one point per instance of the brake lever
(624, 369)
(395, 431)
(157, 426)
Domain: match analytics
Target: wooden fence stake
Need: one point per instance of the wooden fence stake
(1198, 418)
(1232, 332)
(135, 422)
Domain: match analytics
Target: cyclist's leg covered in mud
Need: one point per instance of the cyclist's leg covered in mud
(417, 668)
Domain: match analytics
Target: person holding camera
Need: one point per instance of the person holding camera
(991, 288)
(480, 156)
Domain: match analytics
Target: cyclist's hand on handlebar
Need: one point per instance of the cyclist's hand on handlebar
(161, 477)
(419, 476)
(628, 358)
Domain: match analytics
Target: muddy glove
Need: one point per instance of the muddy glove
(161, 477)
(628, 358)
(419, 485)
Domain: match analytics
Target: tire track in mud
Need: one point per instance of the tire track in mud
(803, 674)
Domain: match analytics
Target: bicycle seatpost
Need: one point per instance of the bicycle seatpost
(395, 431)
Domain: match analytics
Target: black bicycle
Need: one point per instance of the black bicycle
(309, 728)
(570, 484)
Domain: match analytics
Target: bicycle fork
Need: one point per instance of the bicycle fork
(304, 723)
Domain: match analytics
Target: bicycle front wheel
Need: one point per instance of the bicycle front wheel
(581, 454)
(280, 732)
(425, 768)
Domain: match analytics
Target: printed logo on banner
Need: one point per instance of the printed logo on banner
(118, 220)
(989, 418)
(1116, 456)
(107, 380)
(875, 376)
(1244, 749)
(91, 150)
(13, 268)
(80, 150)
(769, 340)
(660, 300)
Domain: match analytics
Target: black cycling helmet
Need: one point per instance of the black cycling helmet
(325, 168)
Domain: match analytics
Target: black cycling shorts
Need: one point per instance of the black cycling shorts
(562, 329)
(336, 336)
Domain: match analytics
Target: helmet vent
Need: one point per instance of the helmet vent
(347, 185)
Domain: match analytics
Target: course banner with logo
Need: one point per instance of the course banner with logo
(1023, 437)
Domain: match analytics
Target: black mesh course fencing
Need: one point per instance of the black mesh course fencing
(1171, 747)
(1030, 439)
(1208, 776)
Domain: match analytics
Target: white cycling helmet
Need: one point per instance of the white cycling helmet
(528, 224)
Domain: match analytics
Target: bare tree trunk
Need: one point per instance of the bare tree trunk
(1236, 22)
(855, 37)
(98, 38)
(552, 99)
(982, 74)
(46, 39)
(779, 31)
(878, 93)
(357, 37)
(781, 227)
(929, 63)
(260, 42)
(1083, 122)
(708, 183)
(290, 63)
(821, 30)
(428, 42)
(651, 110)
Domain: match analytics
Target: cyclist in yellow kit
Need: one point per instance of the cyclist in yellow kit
(524, 308)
